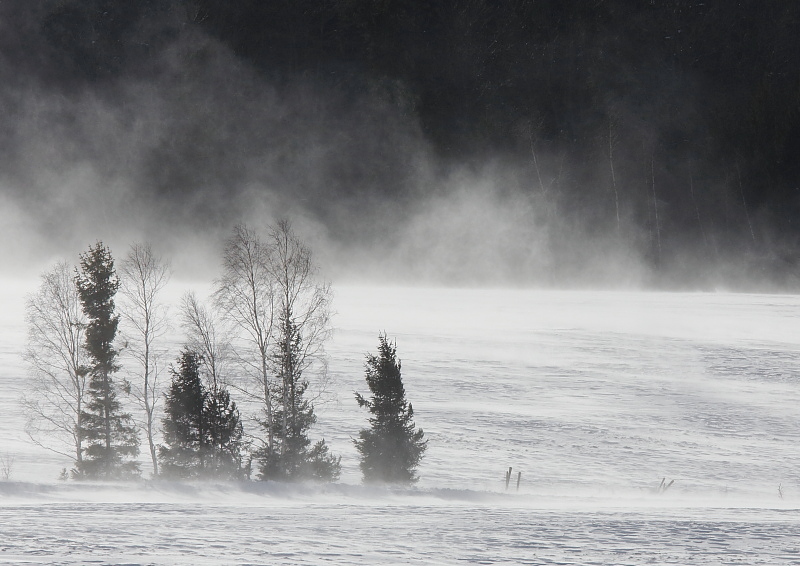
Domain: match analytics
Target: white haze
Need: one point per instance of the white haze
(205, 142)
(593, 396)
(179, 152)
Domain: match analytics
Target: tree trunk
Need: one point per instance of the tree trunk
(148, 407)
(79, 438)
(107, 423)
(267, 398)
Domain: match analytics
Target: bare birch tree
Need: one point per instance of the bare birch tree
(303, 300)
(205, 335)
(246, 295)
(57, 359)
(143, 276)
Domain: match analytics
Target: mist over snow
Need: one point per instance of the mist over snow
(171, 122)
(179, 159)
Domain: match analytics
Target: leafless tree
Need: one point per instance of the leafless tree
(205, 335)
(303, 309)
(143, 275)
(57, 360)
(7, 465)
(246, 295)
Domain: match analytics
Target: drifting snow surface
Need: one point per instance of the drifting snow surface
(593, 396)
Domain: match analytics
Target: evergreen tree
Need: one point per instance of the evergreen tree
(202, 428)
(225, 434)
(112, 443)
(184, 429)
(291, 456)
(391, 448)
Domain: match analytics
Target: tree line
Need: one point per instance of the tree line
(261, 338)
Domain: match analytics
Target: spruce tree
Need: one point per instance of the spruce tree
(292, 457)
(184, 428)
(391, 448)
(225, 435)
(111, 443)
(202, 428)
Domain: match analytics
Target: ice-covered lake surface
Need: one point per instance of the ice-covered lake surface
(593, 396)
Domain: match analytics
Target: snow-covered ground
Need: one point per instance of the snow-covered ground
(593, 396)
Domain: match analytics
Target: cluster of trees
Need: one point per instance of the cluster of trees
(202, 427)
(73, 396)
(262, 335)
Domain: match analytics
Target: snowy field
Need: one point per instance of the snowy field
(593, 396)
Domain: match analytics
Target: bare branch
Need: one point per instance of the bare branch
(56, 359)
(246, 295)
(143, 275)
(205, 335)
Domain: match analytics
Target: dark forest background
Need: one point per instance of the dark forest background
(668, 128)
